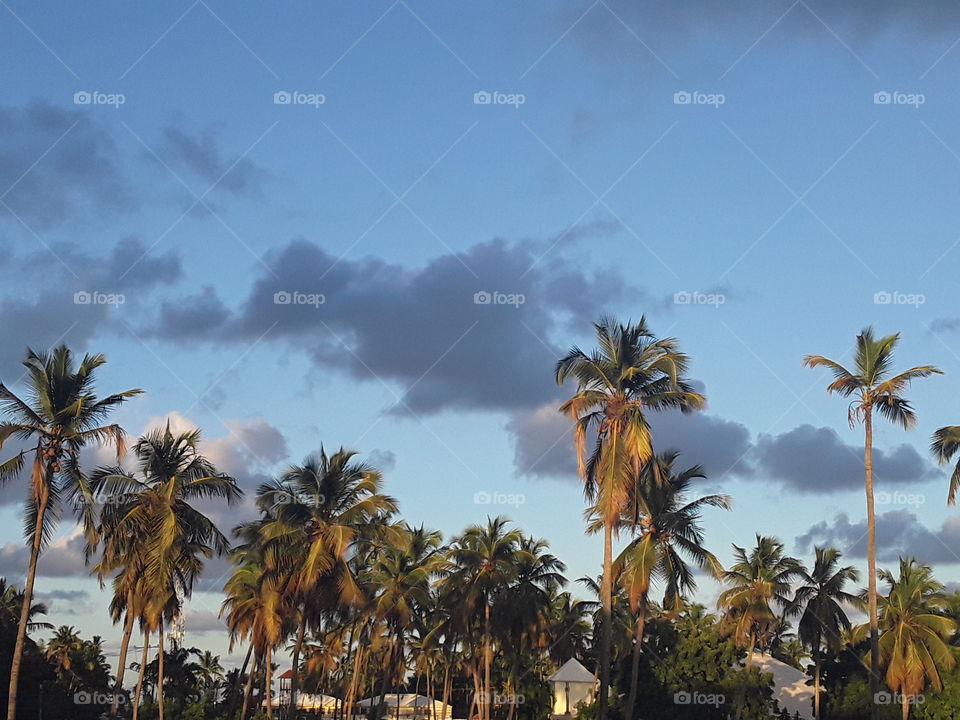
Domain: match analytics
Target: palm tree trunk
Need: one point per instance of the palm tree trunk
(295, 677)
(160, 677)
(35, 546)
(446, 691)
(606, 617)
(268, 682)
(475, 706)
(352, 691)
(122, 661)
(487, 698)
(871, 561)
(143, 670)
(248, 690)
(816, 682)
(904, 706)
(637, 651)
(233, 694)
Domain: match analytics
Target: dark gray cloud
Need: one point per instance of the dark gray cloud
(467, 330)
(201, 155)
(812, 459)
(64, 602)
(62, 558)
(57, 297)
(45, 181)
(899, 533)
(945, 324)
(200, 621)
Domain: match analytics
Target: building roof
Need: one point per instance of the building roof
(287, 675)
(572, 672)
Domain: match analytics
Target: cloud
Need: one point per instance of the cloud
(64, 602)
(899, 533)
(812, 459)
(427, 331)
(201, 155)
(46, 181)
(203, 621)
(63, 557)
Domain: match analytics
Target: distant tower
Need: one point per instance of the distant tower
(177, 625)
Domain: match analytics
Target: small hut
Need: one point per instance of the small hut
(572, 684)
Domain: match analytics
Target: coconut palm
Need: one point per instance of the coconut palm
(151, 515)
(820, 601)
(759, 584)
(62, 416)
(319, 512)
(630, 373)
(873, 386)
(915, 634)
(944, 445)
(669, 536)
(486, 559)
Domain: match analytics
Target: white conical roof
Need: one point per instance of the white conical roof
(572, 672)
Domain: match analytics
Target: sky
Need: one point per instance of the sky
(380, 224)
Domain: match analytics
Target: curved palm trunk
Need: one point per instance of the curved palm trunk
(487, 659)
(637, 651)
(143, 670)
(268, 682)
(816, 681)
(446, 691)
(352, 691)
(295, 678)
(248, 690)
(35, 546)
(606, 618)
(122, 661)
(160, 676)
(232, 708)
(871, 561)
(904, 706)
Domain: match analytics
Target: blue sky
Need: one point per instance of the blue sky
(787, 193)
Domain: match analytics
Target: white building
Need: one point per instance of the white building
(572, 684)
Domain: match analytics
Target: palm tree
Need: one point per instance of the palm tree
(915, 639)
(820, 602)
(62, 416)
(669, 535)
(319, 512)
(486, 559)
(152, 518)
(944, 445)
(873, 386)
(210, 674)
(630, 373)
(759, 583)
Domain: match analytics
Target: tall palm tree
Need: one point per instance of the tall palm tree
(319, 512)
(152, 515)
(669, 535)
(873, 386)
(630, 373)
(486, 559)
(820, 601)
(915, 639)
(62, 415)
(759, 584)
